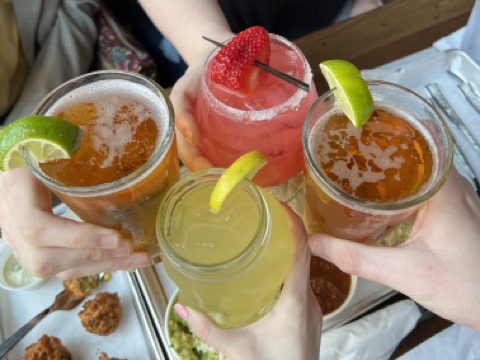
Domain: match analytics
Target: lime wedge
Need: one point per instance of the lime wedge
(245, 167)
(351, 92)
(47, 138)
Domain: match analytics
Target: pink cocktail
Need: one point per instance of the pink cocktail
(268, 117)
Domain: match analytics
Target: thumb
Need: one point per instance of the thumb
(202, 327)
(381, 264)
(183, 98)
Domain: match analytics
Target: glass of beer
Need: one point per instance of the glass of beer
(230, 265)
(365, 184)
(126, 159)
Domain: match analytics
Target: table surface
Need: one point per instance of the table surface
(397, 29)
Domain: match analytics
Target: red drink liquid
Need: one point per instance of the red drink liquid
(269, 118)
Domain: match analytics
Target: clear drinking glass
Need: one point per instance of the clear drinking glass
(230, 265)
(119, 113)
(330, 208)
(268, 118)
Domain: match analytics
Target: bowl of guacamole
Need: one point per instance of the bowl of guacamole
(13, 275)
(183, 344)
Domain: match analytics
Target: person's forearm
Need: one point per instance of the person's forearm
(184, 22)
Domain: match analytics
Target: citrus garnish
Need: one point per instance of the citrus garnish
(351, 92)
(45, 137)
(245, 167)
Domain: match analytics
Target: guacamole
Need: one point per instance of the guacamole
(186, 345)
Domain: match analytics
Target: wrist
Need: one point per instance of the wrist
(202, 47)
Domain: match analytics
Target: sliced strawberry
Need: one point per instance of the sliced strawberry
(234, 66)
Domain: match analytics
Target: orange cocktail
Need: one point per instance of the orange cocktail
(364, 182)
(126, 158)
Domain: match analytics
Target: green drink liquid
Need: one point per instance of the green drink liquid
(229, 265)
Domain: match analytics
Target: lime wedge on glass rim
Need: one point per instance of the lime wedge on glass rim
(45, 137)
(351, 92)
(245, 167)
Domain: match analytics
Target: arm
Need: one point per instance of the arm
(184, 22)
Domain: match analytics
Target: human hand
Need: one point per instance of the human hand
(291, 330)
(438, 267)
(183, 97)
(47, 244)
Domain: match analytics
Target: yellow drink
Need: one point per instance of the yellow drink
(229, 265)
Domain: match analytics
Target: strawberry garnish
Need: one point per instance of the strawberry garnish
(234, 67)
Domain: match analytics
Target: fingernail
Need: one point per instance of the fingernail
(181, 311)
(139, 260)
(108, 241)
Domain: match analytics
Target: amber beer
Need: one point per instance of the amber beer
(126, 159)
(362, 183)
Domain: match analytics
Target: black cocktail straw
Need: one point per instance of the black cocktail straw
(267, 68)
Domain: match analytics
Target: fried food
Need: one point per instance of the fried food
(104, 356)
(47, 348)
(81, 287)
(329, 284)
(101, 315)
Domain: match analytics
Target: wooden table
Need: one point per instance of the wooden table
(395, 30)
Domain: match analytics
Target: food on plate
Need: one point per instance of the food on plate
(104, 356)
(329, 284)
(186, 345)
(47, 348)
(81, 287)
(15, 274)
(102, 314)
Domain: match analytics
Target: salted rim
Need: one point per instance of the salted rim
(265, 114)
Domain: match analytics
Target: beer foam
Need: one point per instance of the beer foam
(376, 157)
(109, 96)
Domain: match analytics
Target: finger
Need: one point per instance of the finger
(45, 262)
(297, 279)
(202, 327)
(185, 124)
(135, 260)
(183, 98)
(389, 266)
(190, 155)
(54, 231)
(21, 191)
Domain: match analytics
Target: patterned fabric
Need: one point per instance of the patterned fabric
(119, 50)
(13, 67)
